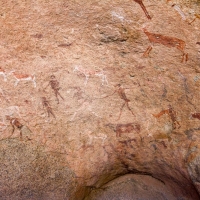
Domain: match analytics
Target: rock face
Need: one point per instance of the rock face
(99, 99)
(134, 187)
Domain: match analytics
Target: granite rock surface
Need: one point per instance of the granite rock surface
(99, 99)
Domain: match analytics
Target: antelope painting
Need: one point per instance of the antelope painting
(23, 77)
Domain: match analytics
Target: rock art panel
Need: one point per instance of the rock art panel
(84, 105)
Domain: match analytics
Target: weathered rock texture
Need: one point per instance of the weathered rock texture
(134, 187)
(95, 90)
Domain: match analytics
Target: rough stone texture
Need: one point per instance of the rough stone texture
(134, 187)
(95, 104)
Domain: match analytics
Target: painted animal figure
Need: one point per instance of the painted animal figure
(89, 73)
(166, 41)
(23, 77)
(3, 73)
(125, 128)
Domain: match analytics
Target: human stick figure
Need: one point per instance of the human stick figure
(46, 105)
(55, 87)
(121, 92)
